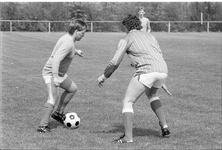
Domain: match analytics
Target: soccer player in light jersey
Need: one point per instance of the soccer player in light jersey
(151, 74)
(145, 22)
(55, 74)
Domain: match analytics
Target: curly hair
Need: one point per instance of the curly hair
(132, 22)
(76, 25)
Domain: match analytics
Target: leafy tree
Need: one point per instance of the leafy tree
(9, 11)
(109, 11)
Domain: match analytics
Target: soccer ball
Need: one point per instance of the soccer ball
(72, 120)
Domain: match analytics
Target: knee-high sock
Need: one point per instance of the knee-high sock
(128, 124)
(64, 100)
(47, 110)
(157, 108)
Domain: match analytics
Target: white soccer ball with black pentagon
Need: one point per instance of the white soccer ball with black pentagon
(72, 120)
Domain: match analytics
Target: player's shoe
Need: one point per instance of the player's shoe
(43, 129)
(122, 140)
(58, 117)
(165, 131)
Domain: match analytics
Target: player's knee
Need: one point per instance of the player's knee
(73, 89)
(152, 92)
(151, 95)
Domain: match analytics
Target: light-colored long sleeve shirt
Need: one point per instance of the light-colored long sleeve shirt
(144, 51)
(61, 57)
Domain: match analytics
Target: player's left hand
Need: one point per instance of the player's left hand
(79, 53)
(56, 82)
(101, 80)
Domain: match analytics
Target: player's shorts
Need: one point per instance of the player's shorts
(154, 79)
(48, 79)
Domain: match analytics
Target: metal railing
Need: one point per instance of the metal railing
(92, 28)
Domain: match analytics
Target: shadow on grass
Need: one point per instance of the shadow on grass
(54, 124)
(118, 128)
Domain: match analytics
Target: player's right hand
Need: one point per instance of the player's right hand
(56, 82)
(79, 53)
(101, 80)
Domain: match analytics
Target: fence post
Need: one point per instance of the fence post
(10, 26)
(91, 26)
(208, 26)
(49, 27)
(168, 27)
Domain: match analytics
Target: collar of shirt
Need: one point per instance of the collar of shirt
(70, 37)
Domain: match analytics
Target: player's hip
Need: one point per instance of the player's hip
(47, 71)
(156, 79)
(150, 69)
(48, 78)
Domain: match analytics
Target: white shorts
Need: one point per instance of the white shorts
(48, 79)
(154, 79)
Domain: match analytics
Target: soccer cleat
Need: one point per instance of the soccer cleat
(122, 140)
(58, 117)
(165, 131)
(43, 129)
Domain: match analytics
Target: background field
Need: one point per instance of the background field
(193, 112)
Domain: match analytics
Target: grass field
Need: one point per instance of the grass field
(193, 112)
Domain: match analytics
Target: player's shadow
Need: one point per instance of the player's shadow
(118, 128)
(54, 124)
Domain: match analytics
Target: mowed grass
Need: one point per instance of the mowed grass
(193, 112)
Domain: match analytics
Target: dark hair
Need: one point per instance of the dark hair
(132, 22)
(76, 25)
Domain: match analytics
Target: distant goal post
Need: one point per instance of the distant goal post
(110, 26)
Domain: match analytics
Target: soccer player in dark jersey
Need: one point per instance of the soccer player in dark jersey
(55, 74)
(151, 74)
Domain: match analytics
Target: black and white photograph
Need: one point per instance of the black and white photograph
(110, 75)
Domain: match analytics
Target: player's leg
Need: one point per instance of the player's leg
(49, 105)
(155, 102)
(70, 89)
(134, 91)
(156, 105)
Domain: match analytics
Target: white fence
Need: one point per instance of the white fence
(110, 26)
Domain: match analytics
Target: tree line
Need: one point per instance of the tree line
(108, 11)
